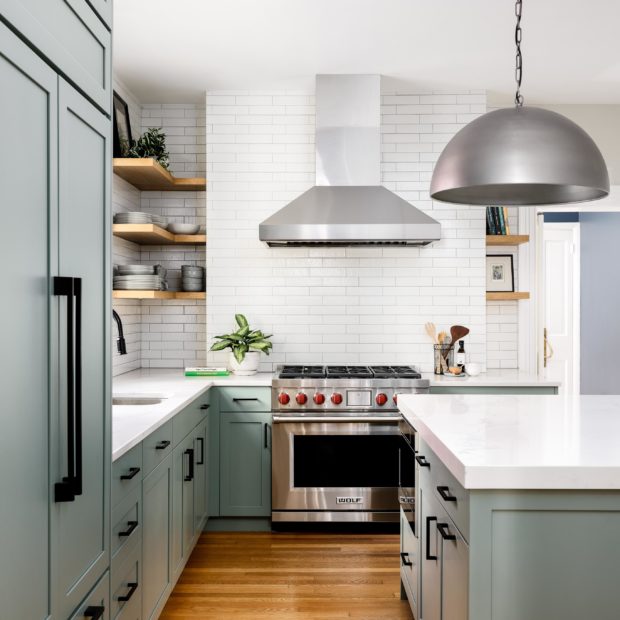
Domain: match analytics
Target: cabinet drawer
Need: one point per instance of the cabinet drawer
(126, 474)
(72, 37)
(126, 590)
(409, 560)
(156, 447)
(245, 399)
(99, 597)
(126, 522)
(448, 491)
(188, 419)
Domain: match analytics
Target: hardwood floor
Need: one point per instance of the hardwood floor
(264, 576)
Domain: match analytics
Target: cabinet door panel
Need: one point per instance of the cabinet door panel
(72, 37)
(80, 529)
(156, 543)
(245, 464)
(200, 482)
(27, 193)
(430, 552)
(455, 573)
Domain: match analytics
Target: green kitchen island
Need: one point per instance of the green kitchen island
(517, 508)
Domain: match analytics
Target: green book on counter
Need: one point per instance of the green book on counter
(206, 372)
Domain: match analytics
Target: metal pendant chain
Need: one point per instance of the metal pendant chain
(519, 57)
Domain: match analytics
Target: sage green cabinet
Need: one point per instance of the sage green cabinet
(245, 464)
(55, 184)
(72, 37)
(201, 459)
(96, 599)
(156, 544)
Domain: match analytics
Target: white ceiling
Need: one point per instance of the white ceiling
(173, 51)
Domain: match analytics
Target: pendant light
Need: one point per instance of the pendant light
(520, 156)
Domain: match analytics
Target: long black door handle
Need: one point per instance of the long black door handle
(266, 434)
(404, 557)
(422, 462)
(242, 400)
(129, 531)
(429, 520)
(94, 612)
(162, 445)
(133, 472)
(71, 484)
(190, 476)
(444, 530)
(445, 494)
(202, 451)
(132, 588)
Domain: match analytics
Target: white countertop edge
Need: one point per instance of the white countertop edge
(492, 378)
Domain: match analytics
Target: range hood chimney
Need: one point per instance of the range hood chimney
(348, 205)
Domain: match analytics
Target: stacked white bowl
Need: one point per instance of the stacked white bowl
(192, 278)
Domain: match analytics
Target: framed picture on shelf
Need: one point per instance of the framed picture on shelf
(500, 273)
(122, 126)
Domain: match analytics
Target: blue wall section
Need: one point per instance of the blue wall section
(561, 216)
(600, 303)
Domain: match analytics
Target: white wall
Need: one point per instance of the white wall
(338, 305)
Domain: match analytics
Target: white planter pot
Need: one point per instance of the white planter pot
(249, 365)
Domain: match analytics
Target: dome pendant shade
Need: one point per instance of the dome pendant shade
(520, 156)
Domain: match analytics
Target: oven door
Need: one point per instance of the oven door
(338, 466)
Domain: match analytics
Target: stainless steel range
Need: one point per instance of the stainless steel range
(337, 449)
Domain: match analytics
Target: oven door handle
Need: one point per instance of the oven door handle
(342, 419)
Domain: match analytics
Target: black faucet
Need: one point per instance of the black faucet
(120, 342)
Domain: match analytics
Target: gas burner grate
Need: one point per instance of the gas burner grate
(301, 372)
(395, 372)
(349, 372)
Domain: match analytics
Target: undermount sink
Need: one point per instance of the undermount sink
(138, 399)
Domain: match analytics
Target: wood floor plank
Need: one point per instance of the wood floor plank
(290, 576)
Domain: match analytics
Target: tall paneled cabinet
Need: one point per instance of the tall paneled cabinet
(55, 381)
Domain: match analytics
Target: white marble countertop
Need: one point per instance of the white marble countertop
(521, 442)
(492, 378)
(132, 423)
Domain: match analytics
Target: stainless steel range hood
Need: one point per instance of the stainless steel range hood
(348, 206)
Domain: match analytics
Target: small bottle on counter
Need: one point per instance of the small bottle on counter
(459, 358)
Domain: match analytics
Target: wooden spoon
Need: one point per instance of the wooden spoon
(431, 332)
(458, 332)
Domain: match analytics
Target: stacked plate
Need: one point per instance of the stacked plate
(133, 217)
(136, 270)
(192, 278)
(162, 222)
(137, 283)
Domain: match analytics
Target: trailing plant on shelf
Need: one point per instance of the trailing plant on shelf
(244, 341)
(152, 143)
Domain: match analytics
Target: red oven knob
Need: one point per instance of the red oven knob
(301, 398)
(318, 398)
(283, 398)
(336, 398)
(381, 399)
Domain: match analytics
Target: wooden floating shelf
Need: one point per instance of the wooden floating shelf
(494, 296)
(507, 239)
(148, 175)
(158, 295)
(151, 234)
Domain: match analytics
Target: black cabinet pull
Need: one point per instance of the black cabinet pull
(243, 400)
(71, 484)
(129, 531)
(429, 520)
(202, 451)
(405, 561)
(266, 434)
(162, 445)
(445, 494)
(445, 531)
(190, 476)
(422, 462)
(204, 407)
(132, 588)
(94, 612)
(133, 472)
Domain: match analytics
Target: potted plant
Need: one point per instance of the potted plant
(245, 345)
(152, 143)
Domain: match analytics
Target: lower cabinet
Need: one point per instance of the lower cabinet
(245, 464)
(156, 530)
(96, 605)
(200, 477)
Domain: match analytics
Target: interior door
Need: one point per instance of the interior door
(561, 304)
(28, 106)
(80, 537)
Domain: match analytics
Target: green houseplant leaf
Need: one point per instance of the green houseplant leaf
(243, 340)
